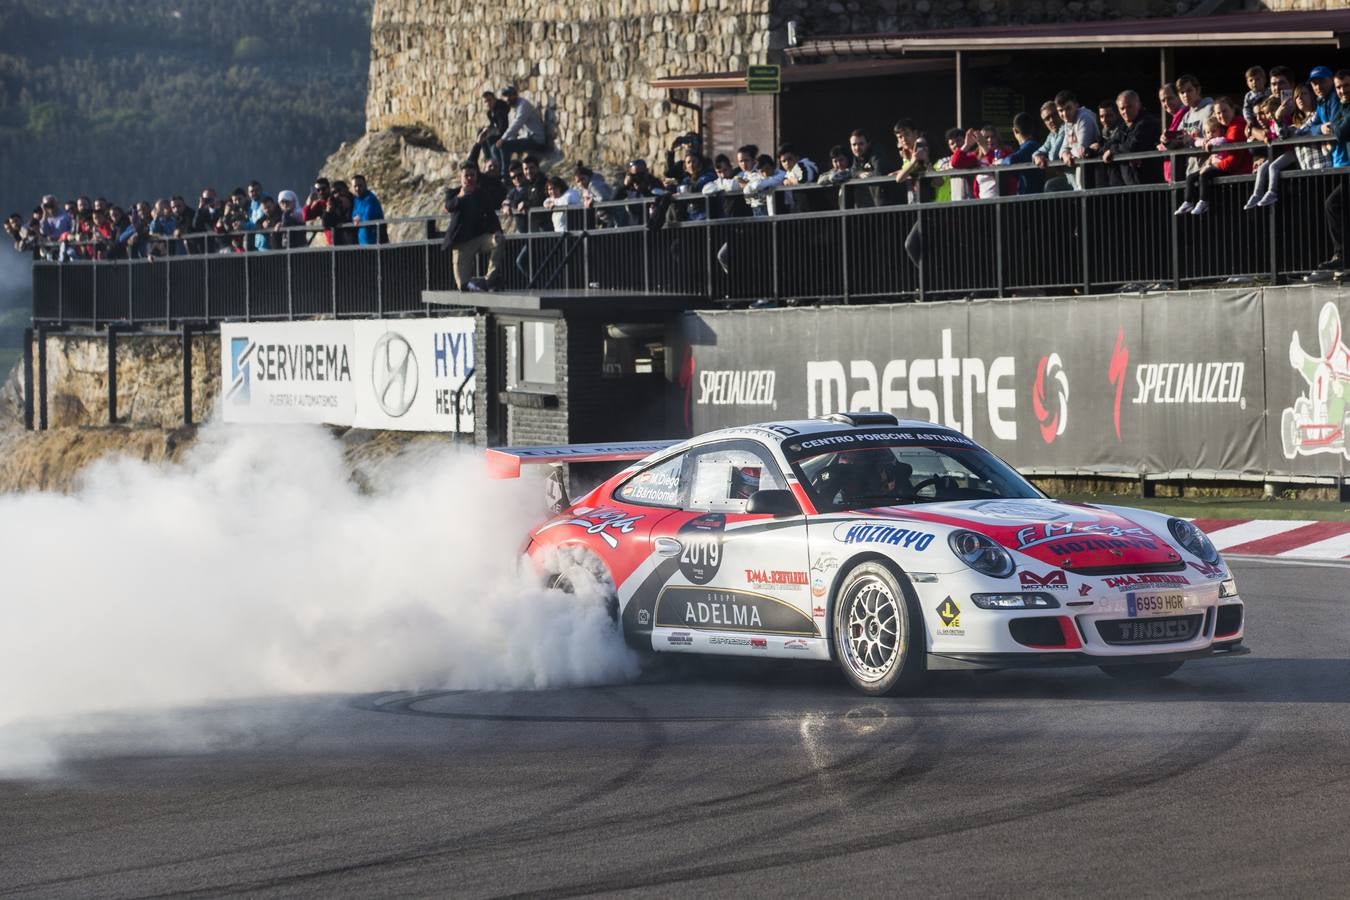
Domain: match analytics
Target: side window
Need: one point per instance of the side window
(724, 476)
(657, 485)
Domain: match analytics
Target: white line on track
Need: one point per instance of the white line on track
(1334, 547)
(1254, 530)
(1289, 560)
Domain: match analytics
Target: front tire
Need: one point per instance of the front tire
(1142, 671)
(879, 637)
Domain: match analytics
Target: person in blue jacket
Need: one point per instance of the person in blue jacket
(365, 208)
(1024, 129)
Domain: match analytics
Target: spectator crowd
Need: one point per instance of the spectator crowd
(1068, 146)
(246, 219)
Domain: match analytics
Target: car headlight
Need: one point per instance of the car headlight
(1193, 540)
(1030, 600)
(1228, 588)
(981, 553)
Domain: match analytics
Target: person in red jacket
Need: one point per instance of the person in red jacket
(1229, 129)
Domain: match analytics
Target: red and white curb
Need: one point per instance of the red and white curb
(1289, 539)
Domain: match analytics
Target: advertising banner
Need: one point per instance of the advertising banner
(1116, 384)
(1307, 375)
(415, 374)
(287, 372)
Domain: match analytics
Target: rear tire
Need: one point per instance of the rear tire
(1142, 671)
(879, 636)
(585, 576)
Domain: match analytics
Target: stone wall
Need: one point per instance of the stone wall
(587, 64)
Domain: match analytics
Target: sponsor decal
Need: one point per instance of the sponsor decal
(644, 617)
(659, 484)
(241, 364)
(736, 387)
(301, 362)
(1115, 373)
(1316, 423)
(796, 644)
(681, 639)
(950, 614)
(1130, 582)
(1084, 590)
(701, 547)
(1143, 631)
(1074, 537)
(393, 374)
(1189, 382)
(720, 640)
(1028, 510)
(818, 612)
(849, 439)
(1052, 581)
(775, 579)
(948, 389)
(730, 610)
(822, 571)
(1208, 570)
(759, 644)
(600, 521)
(1052, 413)
(909, 538)
(780, 430)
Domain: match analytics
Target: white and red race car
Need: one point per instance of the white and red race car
(893, 547)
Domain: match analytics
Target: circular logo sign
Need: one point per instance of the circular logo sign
(393, 374)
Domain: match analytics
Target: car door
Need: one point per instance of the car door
(737, 582)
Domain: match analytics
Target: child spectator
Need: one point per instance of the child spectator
(798, 170)
(1265, 190)
(1191, 128)
(1227, 127)
(1080, 132)
(1257, 91)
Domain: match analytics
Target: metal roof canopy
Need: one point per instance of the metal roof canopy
(1329, 28)
(866, 68)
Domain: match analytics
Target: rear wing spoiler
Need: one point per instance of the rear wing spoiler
(505, 462)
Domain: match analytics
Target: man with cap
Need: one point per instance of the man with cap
(524, 130)
(1328, 108)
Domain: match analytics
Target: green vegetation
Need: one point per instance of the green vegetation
(139, 99)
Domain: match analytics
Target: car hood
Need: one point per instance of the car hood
(1073, 536)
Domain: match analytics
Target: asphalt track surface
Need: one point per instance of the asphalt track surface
(1230, 779)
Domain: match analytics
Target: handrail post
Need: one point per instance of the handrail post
(1083, 239)
(28, 379)
(923, 256)
(332, 278)
(1271, 236)
(94, 312)
(248, 299)
(187, 374)
(998, 247)
(379, 285)
(290, 292)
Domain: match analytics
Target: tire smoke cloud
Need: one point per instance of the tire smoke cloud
(256, 567)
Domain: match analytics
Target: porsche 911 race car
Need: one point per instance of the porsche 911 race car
(893, 547)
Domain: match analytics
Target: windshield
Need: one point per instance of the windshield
(910, 473)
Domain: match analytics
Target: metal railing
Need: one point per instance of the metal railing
(1076, 241)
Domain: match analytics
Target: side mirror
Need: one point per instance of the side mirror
(773, 503)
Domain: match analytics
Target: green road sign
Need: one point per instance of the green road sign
(763, 79)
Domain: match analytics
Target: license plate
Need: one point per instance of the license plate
(1155, 604)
